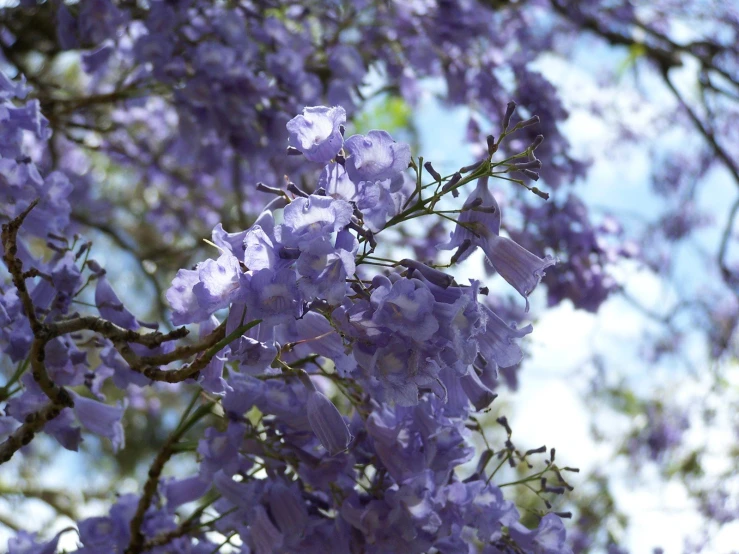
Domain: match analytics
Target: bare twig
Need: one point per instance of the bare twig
(155, 471)
(15, 266)
(25, 433)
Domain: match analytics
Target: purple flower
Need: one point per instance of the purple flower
(25, 543)
(312, 218)
(262, 251)
(480, 396)
(182, 298)
(480, 225)
(324, 268)
(181, 491)
(63, 430)
(220, 282)
(101, 419)
(547, 538)
(490, 511)
(110, 306)
(287, 509)
(327, 423)
(263, 534)
(375, 157)
(316, 133)
(496, 342)
(314, 334)
(12, 89)
(405, 307)
(345, 62)
(402, 369)
(522, 269)
(219, 452)
(273, 296)
(212, 285)
(478, 222)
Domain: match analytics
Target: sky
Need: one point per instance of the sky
(554, 378)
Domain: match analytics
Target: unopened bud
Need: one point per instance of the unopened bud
(461, 250)
(503, 422)
(82, 250)
(476, 203)
(537, 142)
(473, 167)
(539, 193)
(95, 267)
(527, 122)
(534, 164)
(533, 175)
(492, 147)
(539, 450)
(270, 190)
(292, 187)
(510, 108)
(451, 182)
(483, 461)
(435, 174)
(438, 278)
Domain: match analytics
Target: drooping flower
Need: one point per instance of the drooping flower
(548, 538)
(478, 222)
(101, 419)
(479, 225)
(522, 269)
(110, 306)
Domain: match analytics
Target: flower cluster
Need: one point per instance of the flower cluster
(364, 381)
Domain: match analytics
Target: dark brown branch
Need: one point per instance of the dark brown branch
(25, 433)
(15, 266)
(188, 525)
(216, 340)
(113, 332)
(136, 546)
(664, 58)
(59, 396)
(703, 129)
(724, 245)
(144, 365)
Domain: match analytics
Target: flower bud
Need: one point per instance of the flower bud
(439, 278)
(435, 174)
(510, 108)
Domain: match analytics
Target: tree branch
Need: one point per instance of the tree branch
(136, 546)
